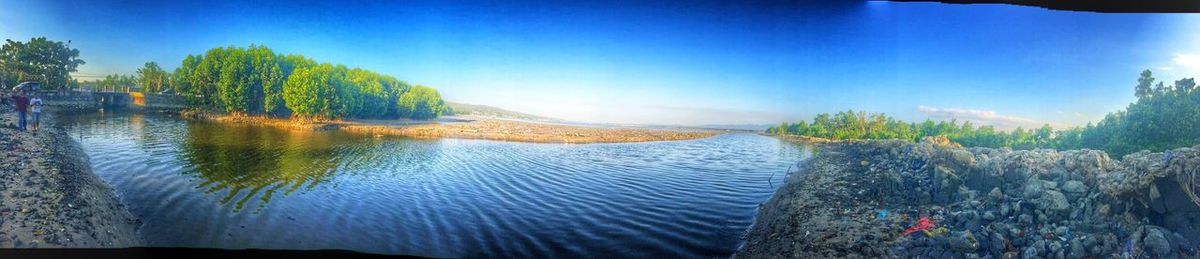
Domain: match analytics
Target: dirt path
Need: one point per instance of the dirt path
(49, 196)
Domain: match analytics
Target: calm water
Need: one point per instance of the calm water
(196, 184)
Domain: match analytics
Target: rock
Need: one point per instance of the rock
(964, 242)
(1074, 187)
(1055, 247)
(947, 181)
(963, 157)
(1077, 249)
(996, 194)
(1178, 242)
(1053, 201)
(1050, 185)
(989, 216)
(1030, 253)
(998, 243)
(1033, 189)
(1157, 243)
(1025, 219)
(1040, 246)
(940, 142)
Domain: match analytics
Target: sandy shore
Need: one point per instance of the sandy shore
(476, 128)
(49, 196)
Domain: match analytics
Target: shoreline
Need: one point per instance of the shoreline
(51, 197)
(478, 128)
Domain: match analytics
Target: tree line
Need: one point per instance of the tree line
(861, 125)
(258, 81)
(1163, 117)
(253, 80)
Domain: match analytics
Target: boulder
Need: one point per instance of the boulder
(964, 242)
(1074, 187)
(1053, 201)
(1033, 189)
(1156, 242)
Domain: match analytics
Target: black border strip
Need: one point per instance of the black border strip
(1101, 6)
(171, 252)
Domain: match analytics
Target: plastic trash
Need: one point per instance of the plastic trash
(935, 231)
(922, 224)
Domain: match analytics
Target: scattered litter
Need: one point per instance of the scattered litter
(935, 232)
(922, 224)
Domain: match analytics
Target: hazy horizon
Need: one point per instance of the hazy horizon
(694, 63)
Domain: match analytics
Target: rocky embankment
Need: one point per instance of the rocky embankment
(868, 199)
(49, 196)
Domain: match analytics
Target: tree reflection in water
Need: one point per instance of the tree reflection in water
(250, 161)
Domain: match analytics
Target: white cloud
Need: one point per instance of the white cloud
(1188, 61)
(980, 117)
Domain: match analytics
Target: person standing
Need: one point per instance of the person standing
(35, 104)
(22, 104)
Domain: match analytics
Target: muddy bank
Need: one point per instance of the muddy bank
(49, 196)
(859, 198)
(477, 128)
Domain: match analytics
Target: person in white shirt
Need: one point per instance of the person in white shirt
(35, 105)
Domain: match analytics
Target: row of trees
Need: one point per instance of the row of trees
(861, 125)
(256, 80)
(149, 78)
(1163, 117)
(42, 60)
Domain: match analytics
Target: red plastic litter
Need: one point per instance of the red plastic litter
(922, 224)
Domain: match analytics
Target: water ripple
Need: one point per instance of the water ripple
(196, 184)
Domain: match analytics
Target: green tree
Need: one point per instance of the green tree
(306, 92)
(49, 62)
(235, 81)
(256, 80)
(269, 76)
(151, 77)
(421, 103)
(182, 78)
(1143, 89)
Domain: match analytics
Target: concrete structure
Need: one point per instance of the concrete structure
(113, 100)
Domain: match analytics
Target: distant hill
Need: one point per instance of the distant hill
(494, 112)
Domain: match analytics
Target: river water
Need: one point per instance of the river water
(199, 184)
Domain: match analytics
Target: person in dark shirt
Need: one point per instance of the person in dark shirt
(22, 104)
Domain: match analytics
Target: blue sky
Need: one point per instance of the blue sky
(686, 63)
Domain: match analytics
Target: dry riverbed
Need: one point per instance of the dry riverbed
(476, 128)
(49, 196)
